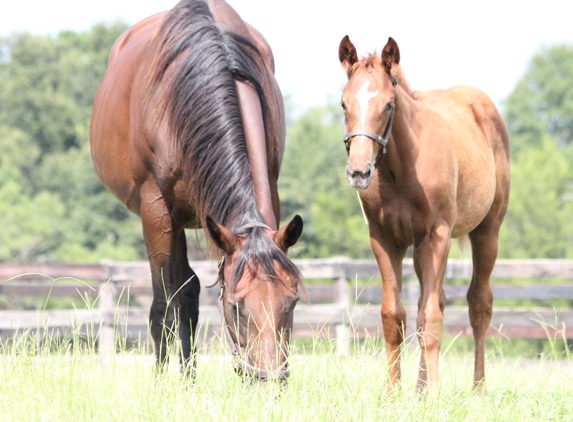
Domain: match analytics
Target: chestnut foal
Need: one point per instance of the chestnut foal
(429, 166)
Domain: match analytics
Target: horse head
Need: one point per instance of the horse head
(368, 104)
(259, 291)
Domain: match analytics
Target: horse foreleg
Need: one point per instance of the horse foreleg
(480, 297)
(159, 240)
(430, 259)
(393, 313)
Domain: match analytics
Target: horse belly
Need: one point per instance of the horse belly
(475, 193)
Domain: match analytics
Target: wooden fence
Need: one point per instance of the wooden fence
(346, 305)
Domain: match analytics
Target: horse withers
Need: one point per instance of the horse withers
(188, 131)
(429, 166)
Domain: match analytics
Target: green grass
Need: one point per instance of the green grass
(69, 381)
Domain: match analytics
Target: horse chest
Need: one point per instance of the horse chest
(400, 220)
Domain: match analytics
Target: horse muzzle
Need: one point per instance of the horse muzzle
(245, 369)
(359, 179)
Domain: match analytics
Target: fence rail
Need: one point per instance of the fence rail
(348, 306)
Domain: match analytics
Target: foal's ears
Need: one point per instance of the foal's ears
(347, 54)
(289, 234)
(224, 238)
(390, 55)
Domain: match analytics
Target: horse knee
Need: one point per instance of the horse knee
(394, 324)
(430, 326)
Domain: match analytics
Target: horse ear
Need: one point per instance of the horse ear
(289, 234)
(347, 54)
(390, 55)
(224, 238)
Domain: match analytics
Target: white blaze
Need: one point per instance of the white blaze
(363, 97)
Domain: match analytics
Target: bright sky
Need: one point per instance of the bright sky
(485, 43)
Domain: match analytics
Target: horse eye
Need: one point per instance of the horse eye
(389, 106)
(343, 105)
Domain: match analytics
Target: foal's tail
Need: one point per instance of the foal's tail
(465, 246)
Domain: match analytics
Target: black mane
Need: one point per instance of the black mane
(204, 120)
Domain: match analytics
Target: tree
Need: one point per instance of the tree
(28, 226)
(312, 184)
(542, 101)
(539, 116)
(53, 206)
(538, 223)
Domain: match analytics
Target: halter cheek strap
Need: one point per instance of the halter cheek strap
(382, 140)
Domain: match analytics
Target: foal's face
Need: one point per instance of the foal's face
(259, 308)
(368, 102)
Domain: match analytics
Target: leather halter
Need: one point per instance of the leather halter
(382, 140)
(242, 367)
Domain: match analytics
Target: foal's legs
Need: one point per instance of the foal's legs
(430, 258)
(393, 313)
(484, 240)
(187, 294)
(423, 375)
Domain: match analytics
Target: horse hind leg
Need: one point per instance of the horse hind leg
(188, 290)
(484, 240)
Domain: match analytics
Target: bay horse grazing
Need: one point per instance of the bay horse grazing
(429, 166)
(188, 131)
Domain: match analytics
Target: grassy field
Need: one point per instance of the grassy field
(61, 383)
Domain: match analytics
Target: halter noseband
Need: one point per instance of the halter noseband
(242, 367)
(382, 140)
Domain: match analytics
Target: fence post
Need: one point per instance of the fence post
(107, 315)
(342, 300)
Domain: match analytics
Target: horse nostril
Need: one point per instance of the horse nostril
(361, 175)
(357, 174)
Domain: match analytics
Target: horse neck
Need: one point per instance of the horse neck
(404, 145)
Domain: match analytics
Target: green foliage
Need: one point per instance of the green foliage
(538, 222)
(313, 185)
(542, 101)
(53, 207)
(539, 116)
